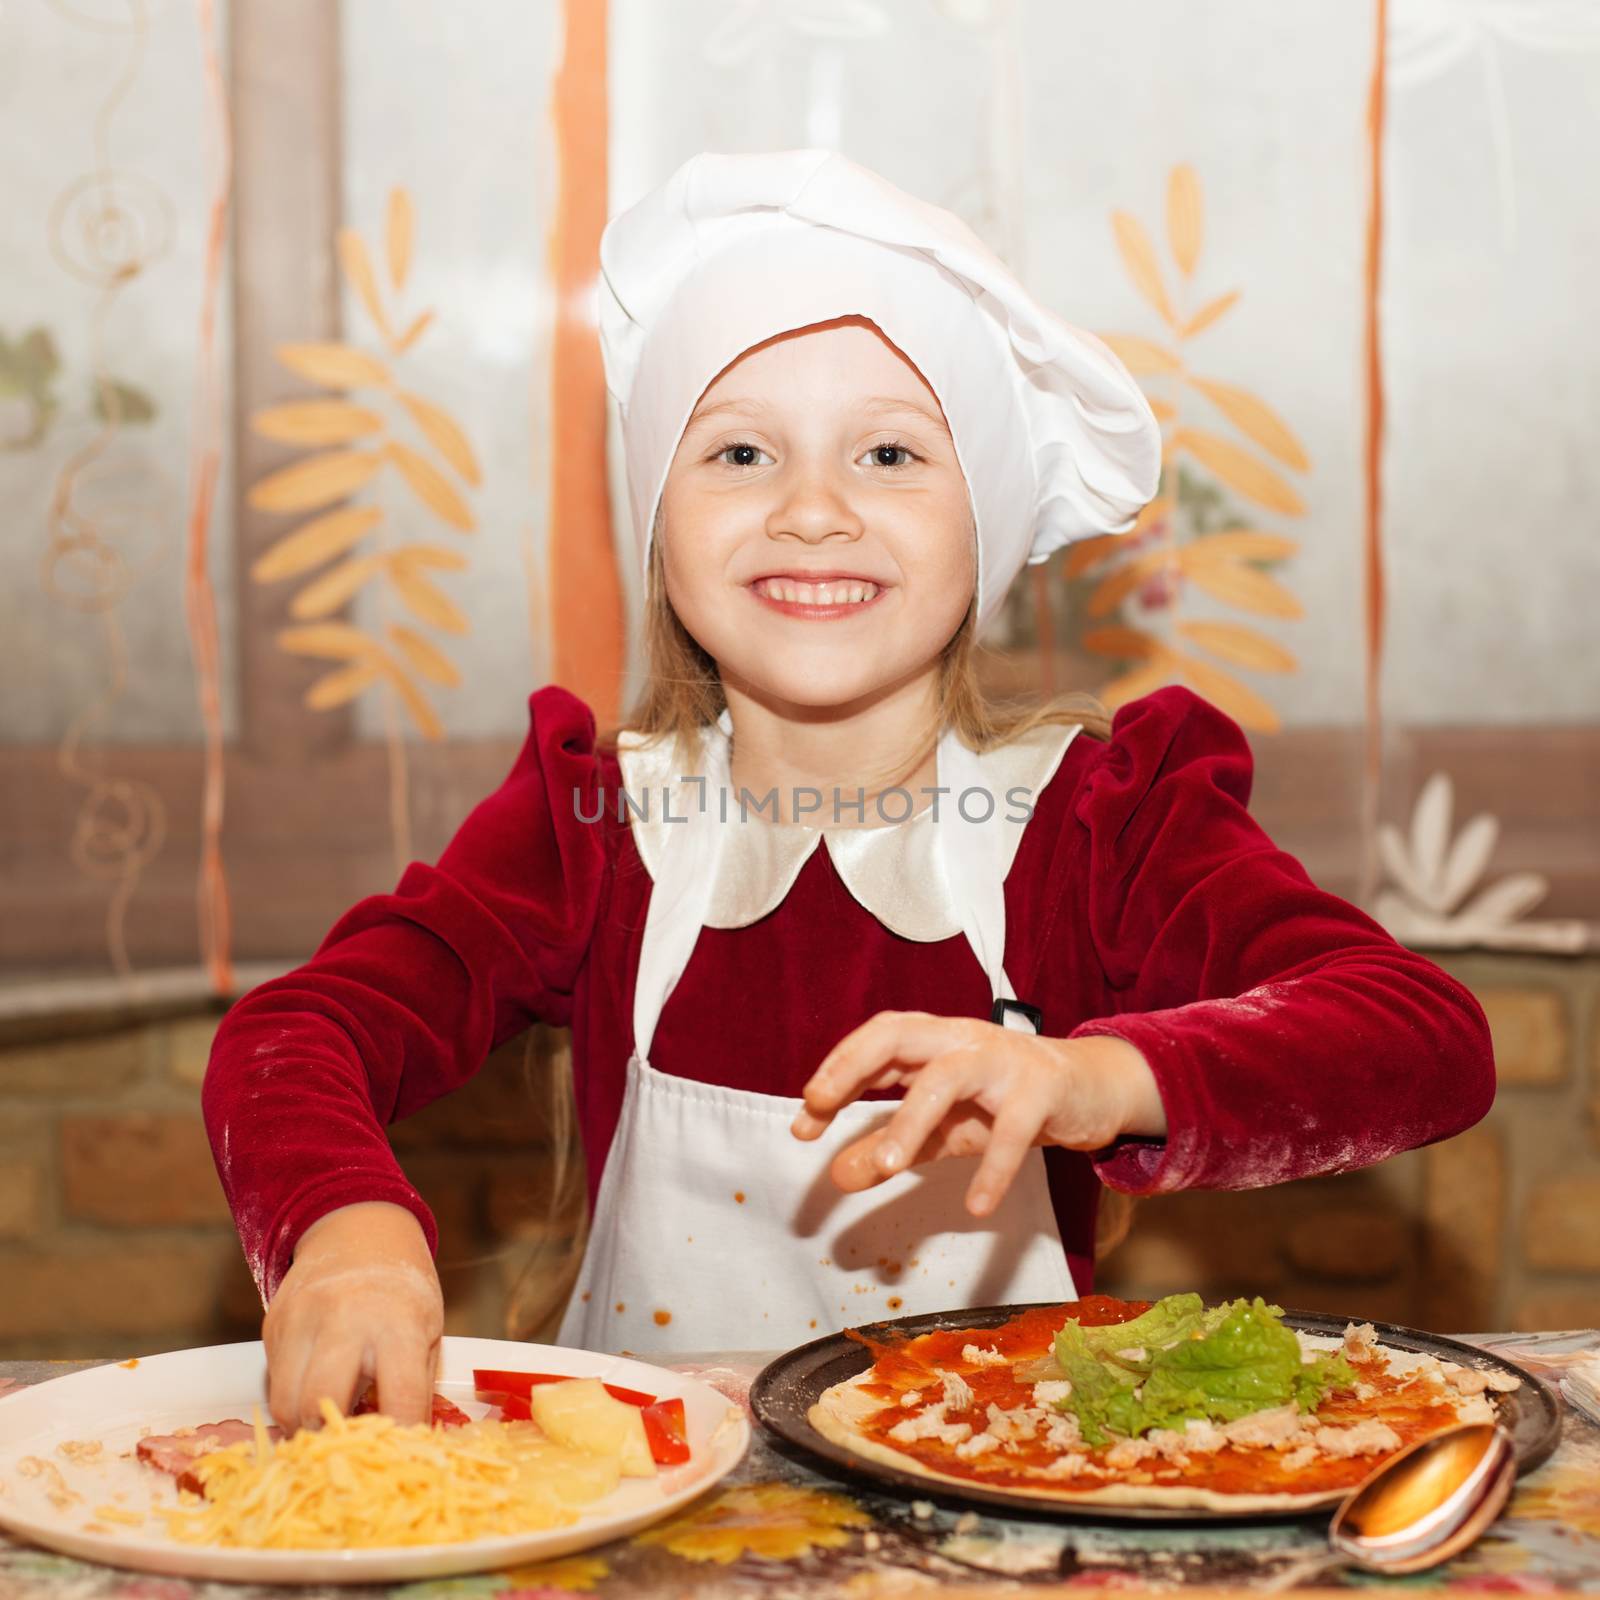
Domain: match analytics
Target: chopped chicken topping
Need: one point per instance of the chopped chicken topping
(1129, 1452)
(957, 1391)
(1061, 1432)
(1303, 1457)
(1266, 1430)
(976, 1356)
(930, 1424)
(1051, 1391)
(1363, 1439)
(1065, 1466)
(1360, 1341)
(1203, 1437)
(979, 1444)
(1170, 1445)
(1022, 1422)
(1474, 1380)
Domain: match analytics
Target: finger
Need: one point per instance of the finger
(333, 1372)
(945, 1081)
(965, 1132)
(905, 1037)
(808, 1126)
(287, 1354)
(845, 1070)
(906, 1137)
(405, 1378)
(1016, 1126)
(856, 1166)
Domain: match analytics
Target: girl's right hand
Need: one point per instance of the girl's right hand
(361, 1300)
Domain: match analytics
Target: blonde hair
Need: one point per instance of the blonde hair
(540, 1266)
(682, 694)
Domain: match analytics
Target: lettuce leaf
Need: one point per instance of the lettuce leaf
(1166, 1322)
(1219, 1365)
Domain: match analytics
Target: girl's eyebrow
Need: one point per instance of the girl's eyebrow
(883, 403)
(716, 410)
(878, 404)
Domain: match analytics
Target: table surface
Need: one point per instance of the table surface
(781, 1529)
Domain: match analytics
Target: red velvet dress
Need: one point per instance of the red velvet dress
(1289, 1034)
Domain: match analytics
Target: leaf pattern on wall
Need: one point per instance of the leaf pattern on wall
(1228, 456)
(1433, 875)
(343, 551)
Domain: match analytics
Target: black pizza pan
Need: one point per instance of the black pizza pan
(782, 1396)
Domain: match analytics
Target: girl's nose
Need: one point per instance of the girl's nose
(814, 506)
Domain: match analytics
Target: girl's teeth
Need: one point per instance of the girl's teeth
(817, 594)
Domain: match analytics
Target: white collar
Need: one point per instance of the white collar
(891, 869)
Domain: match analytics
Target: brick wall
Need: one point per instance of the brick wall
(114, 1236)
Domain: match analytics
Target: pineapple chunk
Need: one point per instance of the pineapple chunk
(575, 1477)
(581, 1414)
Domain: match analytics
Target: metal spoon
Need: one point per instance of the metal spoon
(1428, 1503)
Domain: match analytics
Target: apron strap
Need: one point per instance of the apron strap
(680, 897)
(973, 856)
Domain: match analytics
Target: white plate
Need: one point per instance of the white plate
(116, 1404)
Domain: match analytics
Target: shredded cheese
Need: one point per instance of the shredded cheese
(367, 1483)
(130, 1519)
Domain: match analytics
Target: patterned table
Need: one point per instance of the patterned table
(781, 1528)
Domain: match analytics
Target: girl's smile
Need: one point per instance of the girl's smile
(817, 596)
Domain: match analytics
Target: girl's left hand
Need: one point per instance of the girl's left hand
(977, 1088)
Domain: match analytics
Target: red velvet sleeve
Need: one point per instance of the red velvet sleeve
(1289, 1034)
(406, 996)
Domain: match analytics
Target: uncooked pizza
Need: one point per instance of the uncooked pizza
(1168, 1404)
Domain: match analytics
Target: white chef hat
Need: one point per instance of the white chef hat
(1055, 438)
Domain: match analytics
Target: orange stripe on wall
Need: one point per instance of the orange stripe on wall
(199, 596)
(1372, 562)
(586, 615)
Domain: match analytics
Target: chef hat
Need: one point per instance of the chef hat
(1055, 438)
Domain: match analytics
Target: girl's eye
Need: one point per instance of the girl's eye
(743, 449)
(891, 448)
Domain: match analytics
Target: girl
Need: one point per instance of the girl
(819, 869)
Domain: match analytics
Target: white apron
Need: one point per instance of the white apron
(716, 1229)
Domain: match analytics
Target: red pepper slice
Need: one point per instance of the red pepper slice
(490, 1382)
(632, 1397)
(513, 1407)
(486, 1378)
(448, 1415)
(667, 1429)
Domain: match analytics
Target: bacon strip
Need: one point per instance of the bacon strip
(176, 1453)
